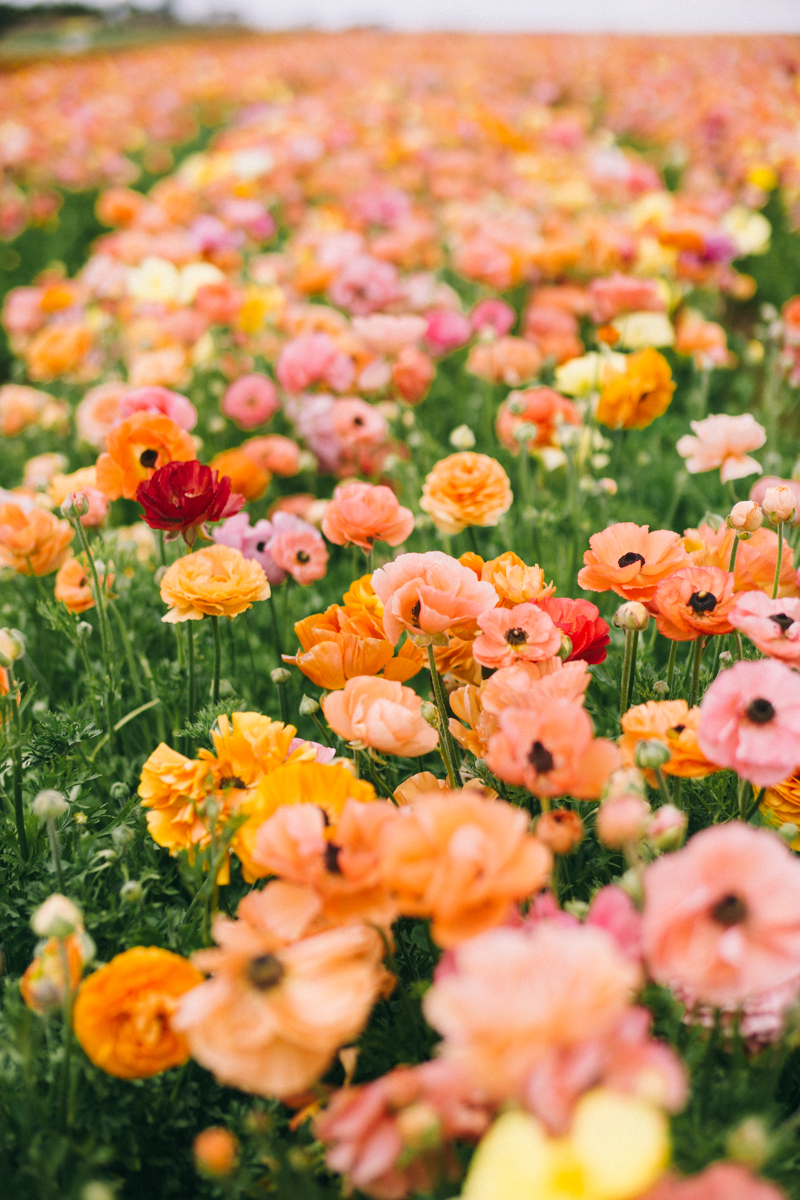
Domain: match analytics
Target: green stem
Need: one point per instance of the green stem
(52, 835)
(473, 540)
(129, 655)
(66, 1008)
(699, 646)
(734, 552)
(191, 685)
(662, 785)
(276, 630)
(444, 733)
(283, 703)
(16, 760)
(741, 793)
(778, 563)
(631, 638)
(217, 659)
(739, 646)
(673, 650)
(676, 791)
(105, 631)
(323, 730)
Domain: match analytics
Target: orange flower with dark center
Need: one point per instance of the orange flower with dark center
(694, 602)
(756, 558)
(673, 723)
(136, 448)
(631, 560)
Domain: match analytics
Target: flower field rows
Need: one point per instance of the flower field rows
(400, 684)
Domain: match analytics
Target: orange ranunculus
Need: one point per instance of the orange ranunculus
(33, 542)
(461, 860)
(171, 787)
(756, 558)
(21, 407)
(57, 350)
(247, 746)
(631, 560)
(455, 659)
(382, 714)
(514, 582)
(247, 477)
(633, 399)
(466, 489)
(137, 447)
(424, 781)
(122, 1012)
(74, 588)
(217, 581)
(42, 983)
(781, 804)
(431, 594)
(673, 723)
(694, 602)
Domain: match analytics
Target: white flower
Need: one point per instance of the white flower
(640, 329)
(154, 281)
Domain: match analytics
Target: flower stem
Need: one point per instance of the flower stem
(52, 835)
(778, 562)
(662, 785)
(673, 650)
(190, 642)
(631, 638)
(16, 761)
(444, 733)
(699, 646)
(276, 629)
(217, 659)
(739, 646)
(741, 793)
(129, 655)
(66, 1008)
(734, 552)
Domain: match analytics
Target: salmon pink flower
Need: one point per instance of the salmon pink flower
(361, 514)
(773, 626)
(760, 488)
(720, 1181)
(184, 497)
(383, 334)
(750, 721)
(250, 401)
(723, 441)
(412, 374)
(493, 317)
(297, 548)
(159, 400)
(430, 594)
(382, 714)
(541, 407)
(616, 294)
(314, 358)
(513, 634)
(580, 620)
(273, 453)
(694, 602)
(630, 560)
(364, 285)
(722, 915)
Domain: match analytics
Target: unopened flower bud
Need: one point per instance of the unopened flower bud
(159, 574)
(565, 648)
(661, 687)
(76, 505)
(83, 630)
(122, 836)
(625, 781)
(526, 432)
(608, 485)
(308, 706)
(131, 892)
(560, 830)
(216, 1151)
(632, 615)
(725, 658)
(780, 504)
(462, 438)
(280, 675)
(430, 713)
(119, 791)
(12, 646)
(667, 828)
(788, 832)
(745, 517)
(57, 917)
(622, 822)
(97, 1190)
(49, 805)
(650, 753)
(750, 1142)
(420, 1126)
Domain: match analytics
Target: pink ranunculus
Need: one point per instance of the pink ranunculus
(314, 358)
(381, 204)
(298, 548)
(250, 401)
(357, 423)
(159, 400)
(274, 453)
(614, 911)
(760, 488)
(750, 721)
(364, 285)
(623, 294)
(492, 316)
(361, 514)
(97, 511)
(720, 1181)
(447, 330)
(385, 334)
(723, 441)
(324, 754)
(773, 626)
(429, 593)
(722, 915)
(382, 714)
(509, 635)
(412, 374)
(251, 541)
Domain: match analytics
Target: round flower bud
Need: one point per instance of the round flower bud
(462, 438)
(430, 713)
(119, 791)
(750, 1142)
(122, 836)
(131, 892)
(565, 648)
(560, 829)
(76, 505)
(57, 917)
(788, 832)
(49, 805)
(780, 504)
(12, 646)
(725, 658)
(216, 1151)
(661, 688)
(280, 675)
(308, 706)
(631, 884)
(622, 822)
(420, 1126)
(651, 753)
(625, 781)
(608, 485)
(745, 517)
(83, 630)
(667, 828)
(159, 574)
(632, 615)
(526, 432)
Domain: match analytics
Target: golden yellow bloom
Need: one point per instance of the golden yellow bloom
(216, 582)
(360, 594)
(122, 1012)
(514, 582)
(634, 399)
(466, 489)
(781, 804)
(673, 723)
(248, 746)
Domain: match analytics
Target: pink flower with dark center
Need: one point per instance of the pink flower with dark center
(509, 635)
(750, 721)
(298, 548)
(773, 626)
(364, 285)
(250, 401)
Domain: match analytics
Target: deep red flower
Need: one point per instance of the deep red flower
(183, 497)
(580, 620)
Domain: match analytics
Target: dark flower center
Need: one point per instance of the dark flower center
(702, 602)
(759, 711)
(782, 621)
(302, 556)
(148, 458)
(358, 420)
(629, 559)
(516, 636)
(540, 759)
(260, 547)
(677, 729)
(332, 858)
(264, 972)
(730, 910)
(415, 611)
(232, 781)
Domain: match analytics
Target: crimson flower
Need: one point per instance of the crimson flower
(580, 620)
(182, 497)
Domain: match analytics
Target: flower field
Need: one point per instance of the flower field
(400, 661)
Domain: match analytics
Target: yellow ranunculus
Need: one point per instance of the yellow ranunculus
(616, 1149)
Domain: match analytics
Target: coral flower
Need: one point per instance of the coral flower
(184, 497)
(630, 560)
(720, 1181)
(722, 915)
(633, 399)
(552, 751)
(362, 514)
(750, 721)
(381, 714)
(513, 581)
(250, 401)
(673, 723)
(32, 541)
(580, 620)
(137, 447)
(541, 407)
(123, 1012)
(160, 400)
(247, 478)
(704, 340)
(299, 997)
(723, 441)
(73, 587)
(617, 293)
(694, 602)
(297, 548)
(756, 558)
(430, 594)
(773, 626)
(273, 453)
(461, 860)
(412, 374)
(42, 985)
(509, 360)
(466, 489)
(215, 582)
(509, 635)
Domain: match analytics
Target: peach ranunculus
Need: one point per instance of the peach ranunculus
(362, 514)
(694, 602)
(217, 581)
(552, 751)
(137, 447)
(704, 340)
(723, 441)
(430, 594)
(466, 489)
(514, 582)
(541, 407)
(21, 407)
(74, 588)
(773, 626)
(634, 398)
(99, 411)
(509, 360)
(274, 453)
(509, 635)
(673, 723)
(247, 476)
(32, 541)
(57, 350)
(300, 992)
(381, 714)
(631, 560)
(123, 1013)
(462, 860)
(756, 558)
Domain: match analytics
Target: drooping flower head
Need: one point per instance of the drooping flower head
(183, 498)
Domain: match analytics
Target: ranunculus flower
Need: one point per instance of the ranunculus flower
(541, 407)
(509, 635)
(631, 560)
(381, 714)
(32, 541)
(183, 498)
(362, 514)
(297, 548)
(250, 401)
(273, 453)
(248, 478)
(773, 626)
(694, 602)
(73, 588)
(759, 490)
(615, 294)
(509, 360)
(314, 358)
(466, 489)
(364, 285)
(447, 330)
(580, 620)
(673, 723)
(643, 391)
(493, 316)
(429, 593)
(252, 541)
(159, 400)
(412, 374)
(723, 441)
(137, 447)
(720, 1181)
(217, 581)
(750, 721)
